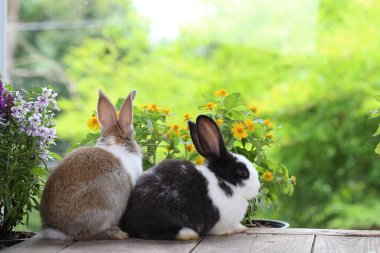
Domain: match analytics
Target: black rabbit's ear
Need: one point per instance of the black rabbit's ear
(195, 139)
(209, 137)
(106, 112)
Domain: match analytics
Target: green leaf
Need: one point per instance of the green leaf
(55, 155)
(38, 171)
(232, 101)
(377, 150)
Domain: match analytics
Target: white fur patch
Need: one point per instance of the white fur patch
(53, 234)
(187, 234)
(231, 208)
(131, 162)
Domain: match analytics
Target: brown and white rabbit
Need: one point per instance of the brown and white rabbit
(86, 194)
(180, 200)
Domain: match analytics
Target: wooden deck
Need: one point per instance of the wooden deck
(255, 240)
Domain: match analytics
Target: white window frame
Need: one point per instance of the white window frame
(3, 39)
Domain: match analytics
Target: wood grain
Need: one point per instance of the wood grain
(345, 244)
(131, 245)
(306, 231)
(38, 245)
(240, 243)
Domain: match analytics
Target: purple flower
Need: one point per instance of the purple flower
(35, 120)
(32, 130)
(6, 102)
(43, 101)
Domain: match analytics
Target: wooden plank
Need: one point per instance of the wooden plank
(36, 244)
(303, 231)
(345, 244)
(131, 245)
(256, 243)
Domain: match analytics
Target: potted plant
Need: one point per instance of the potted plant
(244, 132)
(26, 132)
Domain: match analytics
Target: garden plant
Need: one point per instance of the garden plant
(26, 133)
(244, 132)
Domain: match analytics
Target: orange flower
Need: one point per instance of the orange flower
(249, 124)
(219, 122)
(186, 116)
(93, 122)
(268, 123)
(210, 106)
(221, 93)
(169, 135)
(200, 160)
(153, 107)
(253, 108)
(270, 135)
(190, 148)
(238, 131)
(175, 128)
(166, 111)
(268, 176)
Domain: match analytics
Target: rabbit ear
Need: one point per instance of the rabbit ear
(210, 137)
(106, 112)
(195, 139)
(126, 113)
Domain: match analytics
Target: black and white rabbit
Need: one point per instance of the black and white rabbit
(180, 200)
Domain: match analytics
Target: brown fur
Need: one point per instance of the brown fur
(66, 199)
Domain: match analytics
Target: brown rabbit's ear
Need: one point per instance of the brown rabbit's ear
(106, 112)
(126, 113)
(209, 137)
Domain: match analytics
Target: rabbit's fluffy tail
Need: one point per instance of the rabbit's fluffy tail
(54, 234)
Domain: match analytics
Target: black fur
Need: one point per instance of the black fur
(226, 168)
(171, 196)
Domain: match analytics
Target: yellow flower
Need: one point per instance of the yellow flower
(185, 137)
(169, 135)
(175, 128)
(221, 93)
(190, 148)
(210, 106)
(166, 111)
(117, 114)
(267, 176)
(144, 107)
(238, 131)
(200, 160)
(153, 107)
(270, 135)
(186, 128)
(219, 122)
(253, 108)
(186, 116)
(294, 180)
(93, 123)
(268, 123)
(249, 124)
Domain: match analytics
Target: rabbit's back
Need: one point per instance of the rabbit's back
(172, 195)
(89, 189)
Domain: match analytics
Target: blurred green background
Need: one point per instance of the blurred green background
(312, 67)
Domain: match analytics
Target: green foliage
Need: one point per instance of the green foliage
(375, 114)
(26, 134)
(244, 133)
(322, 96)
